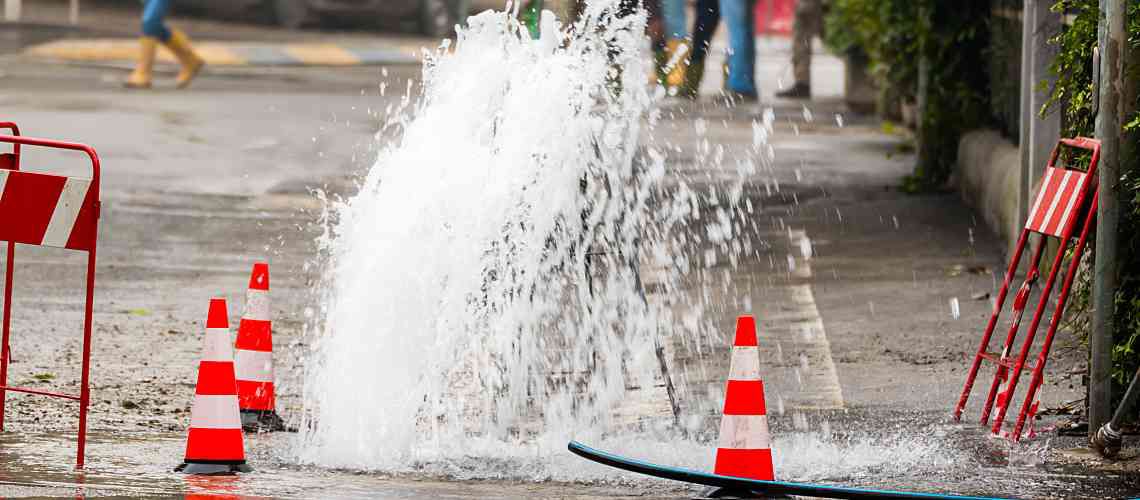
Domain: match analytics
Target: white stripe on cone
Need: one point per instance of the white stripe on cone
(215, 412)
(744, 432)
(254, 366)
(66, 212)
(745, 364)
(257, 305)
(218, 345)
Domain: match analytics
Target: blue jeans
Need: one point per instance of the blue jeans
(152, 19)
(674, 13)
(739, 18)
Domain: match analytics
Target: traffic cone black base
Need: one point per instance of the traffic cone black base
(212, 469)
(262, 421)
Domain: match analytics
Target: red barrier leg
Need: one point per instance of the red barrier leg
(1070, 274)
(1030, 334)
(84, 390)
(1004, 360)
(4, 353)
(990, 326)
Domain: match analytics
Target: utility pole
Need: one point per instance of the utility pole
(1109, 128)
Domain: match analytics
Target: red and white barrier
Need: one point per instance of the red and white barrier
(48, 210)
(745, 445)
(42, 209)
(214, 443)
(1052, 212)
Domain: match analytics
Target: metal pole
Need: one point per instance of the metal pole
(12, 10)
(1111, 41)
(73, 12)
(1026, 114)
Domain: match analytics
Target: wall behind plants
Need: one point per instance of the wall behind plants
(1003, 65)
(1073, 97)
(951, 37)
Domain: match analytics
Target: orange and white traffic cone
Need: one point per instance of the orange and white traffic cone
(214, 444)
(254, 357)
(745, 446)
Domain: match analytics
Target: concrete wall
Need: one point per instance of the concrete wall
(988, 175)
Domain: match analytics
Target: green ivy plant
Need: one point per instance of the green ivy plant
(895, 35)
(1073, 96)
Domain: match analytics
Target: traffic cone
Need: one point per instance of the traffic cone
(254, 357)
(214, 443)
(745, 449)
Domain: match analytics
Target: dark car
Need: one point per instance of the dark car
(434, 18)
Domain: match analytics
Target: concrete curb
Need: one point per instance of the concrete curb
(988, 176)
(234, 53)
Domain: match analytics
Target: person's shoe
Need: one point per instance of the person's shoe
(179, 44)
(797, 91)
(141, 77)
(693, 76)
(677, 51)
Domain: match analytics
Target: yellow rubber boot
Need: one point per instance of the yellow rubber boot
(179, 44)
(144, 69)
(678, 50)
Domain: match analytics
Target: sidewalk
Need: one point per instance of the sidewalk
(107, 34)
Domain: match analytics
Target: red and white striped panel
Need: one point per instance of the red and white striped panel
(47, 210)
(1056, 207)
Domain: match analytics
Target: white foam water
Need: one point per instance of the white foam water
(480, 289)
(480, 302)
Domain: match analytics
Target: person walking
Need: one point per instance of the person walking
(809, 17)
(676, 43)
(704, 26)
(154, 31)
(740, 18)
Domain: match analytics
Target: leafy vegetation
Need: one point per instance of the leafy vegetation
(957, 40)
(897, 36)
(1073, 96)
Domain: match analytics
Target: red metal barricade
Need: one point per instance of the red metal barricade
(1065, 195)
(54, 211)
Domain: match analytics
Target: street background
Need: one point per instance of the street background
(200, 183)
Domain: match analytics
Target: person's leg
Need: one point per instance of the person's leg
(179, 44)
(704, 27)
(808, 13)
(676, 42)
(153, 32)
(674, 13)
(740, 20)
(154, 26)
(153, 20)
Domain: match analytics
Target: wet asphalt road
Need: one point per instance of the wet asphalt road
(201, 183)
